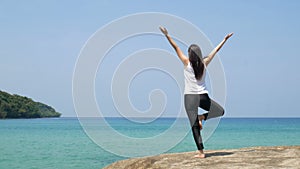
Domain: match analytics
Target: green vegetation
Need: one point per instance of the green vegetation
(15, 106)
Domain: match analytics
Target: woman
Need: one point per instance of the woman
(195, 92)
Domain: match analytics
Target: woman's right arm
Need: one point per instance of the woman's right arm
(180, 54)
(212, 54)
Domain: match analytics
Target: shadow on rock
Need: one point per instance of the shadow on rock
(218, 154)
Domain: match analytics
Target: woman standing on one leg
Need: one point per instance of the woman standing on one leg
(195, 92)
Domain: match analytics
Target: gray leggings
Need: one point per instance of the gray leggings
(191, 103)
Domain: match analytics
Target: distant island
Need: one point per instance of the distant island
(15, 106)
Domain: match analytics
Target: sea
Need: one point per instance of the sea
(62, 143)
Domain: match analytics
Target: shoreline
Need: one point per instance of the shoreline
(250, 157)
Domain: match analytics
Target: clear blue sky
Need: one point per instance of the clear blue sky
(40, 42)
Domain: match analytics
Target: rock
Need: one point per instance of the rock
(246, 158)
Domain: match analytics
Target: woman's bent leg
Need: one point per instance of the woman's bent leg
(216, 110)
(213, 108)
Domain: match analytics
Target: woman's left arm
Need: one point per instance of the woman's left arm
(212, 54)
(180, 54)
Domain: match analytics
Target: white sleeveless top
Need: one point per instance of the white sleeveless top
(192, 85)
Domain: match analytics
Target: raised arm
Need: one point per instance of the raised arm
(212, 54)
(180, 54)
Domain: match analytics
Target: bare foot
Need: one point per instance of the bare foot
(200, 118)
(200, 154)
(200, 124)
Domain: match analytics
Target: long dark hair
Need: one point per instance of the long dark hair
(195, 57)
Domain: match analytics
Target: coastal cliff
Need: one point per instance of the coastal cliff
(254, 157)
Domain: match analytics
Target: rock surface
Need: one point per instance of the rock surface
(248, 158)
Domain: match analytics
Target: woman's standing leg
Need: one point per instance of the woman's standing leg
(191, 103)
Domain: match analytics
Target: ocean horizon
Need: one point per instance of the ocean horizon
(62, 142)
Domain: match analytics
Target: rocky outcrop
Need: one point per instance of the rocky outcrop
(248, 158)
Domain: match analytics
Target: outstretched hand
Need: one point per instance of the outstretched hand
(163, 30)
(228, 36)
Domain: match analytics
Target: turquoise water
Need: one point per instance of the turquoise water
(62, 143)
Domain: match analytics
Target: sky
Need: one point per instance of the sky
(41, 40)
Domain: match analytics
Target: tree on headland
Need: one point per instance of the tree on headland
(15, 106)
